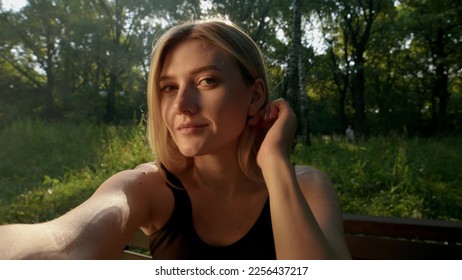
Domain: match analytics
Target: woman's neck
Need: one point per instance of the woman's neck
(218, 173)
(212, 171)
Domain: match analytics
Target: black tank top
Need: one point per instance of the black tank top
(178, 238)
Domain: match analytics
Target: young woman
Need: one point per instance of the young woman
(222, 186)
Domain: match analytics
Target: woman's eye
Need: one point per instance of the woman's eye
(208, 81)
(167, 89)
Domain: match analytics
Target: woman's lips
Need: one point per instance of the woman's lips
(189, 128)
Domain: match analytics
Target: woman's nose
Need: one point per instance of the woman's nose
(186, 101)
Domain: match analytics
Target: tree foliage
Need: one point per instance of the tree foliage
(383, 66)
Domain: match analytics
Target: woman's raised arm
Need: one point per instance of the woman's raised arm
(305, 210)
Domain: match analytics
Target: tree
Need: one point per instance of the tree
(435, 30)
(71, 51)
(348, 27)
(358, 17)
(263, 20)
(296, 90)
(337, 38)
(34, 47)
(88, 59)
(118, 44)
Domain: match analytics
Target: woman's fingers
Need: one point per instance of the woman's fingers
(267, 115)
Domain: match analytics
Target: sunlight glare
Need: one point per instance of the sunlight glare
(14, 5)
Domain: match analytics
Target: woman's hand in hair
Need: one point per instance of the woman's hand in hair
(280, 121)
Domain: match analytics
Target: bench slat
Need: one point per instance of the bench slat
(130, 255)
(419, 229)
(375, 248)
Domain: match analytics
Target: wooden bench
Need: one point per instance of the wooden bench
(391, 238)
(372, 237)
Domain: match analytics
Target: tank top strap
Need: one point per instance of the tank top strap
(182, 211)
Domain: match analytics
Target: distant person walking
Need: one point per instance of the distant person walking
(350, 134)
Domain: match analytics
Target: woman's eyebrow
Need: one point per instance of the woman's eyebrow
(206, 68)
(193, 72)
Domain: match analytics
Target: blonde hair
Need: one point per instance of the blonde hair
(247, 56)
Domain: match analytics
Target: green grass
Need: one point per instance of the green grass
(48, 168)
(392, 176)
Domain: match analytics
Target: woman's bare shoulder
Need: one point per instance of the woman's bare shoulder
(318, 189)
(148, 167)
(144, 187)
(144, 177)
(322, 198)
(159, 196)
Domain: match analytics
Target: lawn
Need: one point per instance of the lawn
(392, 176)
(48, 168)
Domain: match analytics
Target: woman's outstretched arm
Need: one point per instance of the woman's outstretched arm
(99, 228)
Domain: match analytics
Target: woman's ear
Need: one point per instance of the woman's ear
(258, 97)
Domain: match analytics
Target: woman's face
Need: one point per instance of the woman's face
(204, 100)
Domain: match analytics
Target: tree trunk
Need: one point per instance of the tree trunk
(50, 111)
(304, 102)
(111, 98)
(293, 71)
(440, 88)
(292, 78)
(342, 80)
(341, 109)
(114, 64)
(366, 13)
(358, 94)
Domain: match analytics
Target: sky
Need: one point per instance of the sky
(13, 4)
